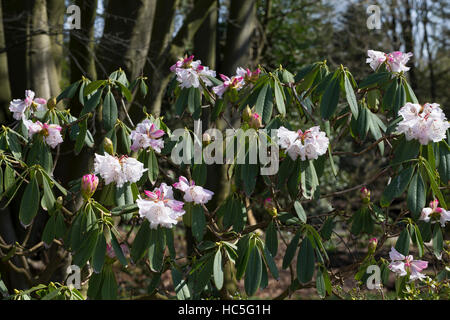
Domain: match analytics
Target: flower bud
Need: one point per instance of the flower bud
(206, 139)
(255, 121)
(365, 194)
(246, 114)
(270, 207)
(108, 146)
(51, 103)
(89, 184)
(372, 245)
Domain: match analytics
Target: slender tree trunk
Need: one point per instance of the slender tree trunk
(55, 13)
(81, 45)
(429, 52)
(174, 49)
(407, 32)
(44, 79)
(126, 36)
(5, 89)
(16, 17)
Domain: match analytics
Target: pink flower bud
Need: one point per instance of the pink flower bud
(255, 121)
(89, 184)
(270, 206)
(365, 194)
(372, 245)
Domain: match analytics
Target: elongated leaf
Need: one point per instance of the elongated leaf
(264, 103)
(141, 242)
(279, 98)
(272, 239)
(30, 202)
(253, 273)
(416, 196)
(402, 244)
(109, 111)
(330, 99)
(397, 186)
(218, 272)
(350, 95)
(438, 241)
(198, 222)
(98, 259)
(290, 250)
(300, 211)
(305, 261)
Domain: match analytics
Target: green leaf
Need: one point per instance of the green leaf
(272, 239)
(410, 96)
(156, 249)
(69, 92)
(320, 284)
(49, 231)
(375, 78)
(305, 261)
(249, 173)
(416, 196)
(118, 250)
(279, 98)
(125, 92)
(92, 102)
(253, 273)
(438, 241)
(264, 103)
(290, 250)
(98, 259)
(434, 184)
(218, 272)
(406, 150)
(153, 168)
(199, 173)
(109, 285)
(402, 244)
(389, 96)
(417, 240)
(87, 248)
(81, 137)
(330, 99)
(268, 257)
(363, 123)
(30, 202)
(141, 242)
(48, 199)
(14, 144)
(399, 99)
(300, 211)
(444, 162)
(92, 86)
(181, 102)
(109, 111)
(198, 222)
(350, 95)
(397, 186)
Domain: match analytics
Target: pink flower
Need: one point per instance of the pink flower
(435, 213)
(89, 184)
(147, 135)
(51, 132)
(18, 107)
(193, 193)
(189, 72)
(395, 61)
(235, 82)
(160, 208)
(403, 265)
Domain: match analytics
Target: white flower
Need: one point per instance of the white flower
(132, 169)
(375, 59)
(109, 168)
(160, 208)
(425, 124)
(18, 106)
(119, 170)
(189, 72)
(51, 132)
(146, 135)
(397, 60)
(235, 82)
(156, 213)
(307, 145)
(193, 193)
(402, 265)
(435, 213)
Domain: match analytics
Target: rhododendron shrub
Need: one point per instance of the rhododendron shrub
(153, 182)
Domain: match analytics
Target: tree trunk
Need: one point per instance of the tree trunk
(81, 45)
(5, 89)
(158, 67)
(55, 13)
(407, 32)
(44, 79)
(126, 36)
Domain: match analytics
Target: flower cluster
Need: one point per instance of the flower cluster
(406, 265)
(119, 170)
(147, 135)
(237, 81)
(308, 145)
(435, 213)
(18, 106)
(395, 61)
(425, 123)
(51, 132)
(189, 72)
(159, 207)
(193, 193)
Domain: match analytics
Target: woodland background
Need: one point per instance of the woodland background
(38, 51)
